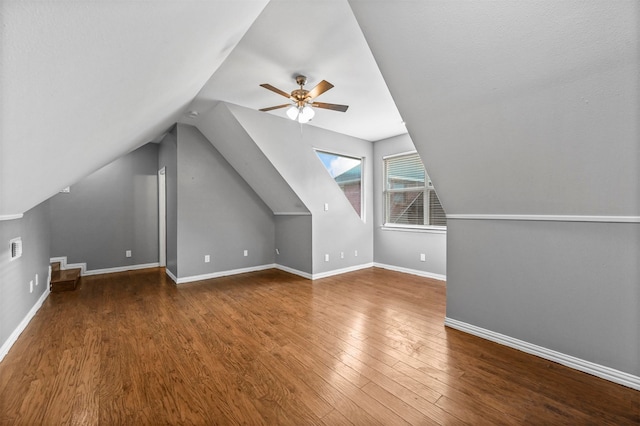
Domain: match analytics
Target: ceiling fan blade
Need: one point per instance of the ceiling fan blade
(320, 88)
(274, 107)
(276, 90)
(333, 107)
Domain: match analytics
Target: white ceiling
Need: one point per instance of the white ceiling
(83, 83)
(318, 39)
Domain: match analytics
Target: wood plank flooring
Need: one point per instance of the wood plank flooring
(363, 348)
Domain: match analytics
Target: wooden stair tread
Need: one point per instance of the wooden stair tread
(64, 279)
(65, 275)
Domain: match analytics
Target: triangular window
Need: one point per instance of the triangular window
(347, 172)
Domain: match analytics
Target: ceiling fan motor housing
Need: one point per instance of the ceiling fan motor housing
(300, 95)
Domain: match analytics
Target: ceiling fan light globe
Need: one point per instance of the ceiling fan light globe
(306, 114)
(292, 112)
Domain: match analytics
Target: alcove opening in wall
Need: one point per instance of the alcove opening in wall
(347, 173)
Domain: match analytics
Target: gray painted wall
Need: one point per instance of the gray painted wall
(293, 241)
(218, 212)
(290, 148)
(15, 299)
(528, 108)
(232, 141)
(110, 211)
(168, 158)
(570, 287)
(403, 248)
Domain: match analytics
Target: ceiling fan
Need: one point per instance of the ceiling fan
(300, 110)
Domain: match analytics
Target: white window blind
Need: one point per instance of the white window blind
(410, 198)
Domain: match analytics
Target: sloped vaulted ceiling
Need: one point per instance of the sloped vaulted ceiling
(320, 39)
(517, 107)
(82, 83)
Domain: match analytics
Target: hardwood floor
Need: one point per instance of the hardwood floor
(367, 347)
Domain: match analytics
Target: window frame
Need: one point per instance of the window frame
(425, 189)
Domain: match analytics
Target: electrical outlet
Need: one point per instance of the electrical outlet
(355, 253)
(326, 257)
(127, 253)
(423, 257)
(277, 251)
(31, 286)
(341, 255)
(36, 280)
(207, 258)
(246, 253)
(326, 207)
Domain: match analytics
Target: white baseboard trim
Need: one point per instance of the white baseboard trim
(341, 271)
(62, 260)
(295, 272)
(121, 269)
(6, 346)
(219, 274)
(302, 274)
(589, 367)
(85, 272)
(170, 274)
(65, 265)
(184, 280)
(411, 271)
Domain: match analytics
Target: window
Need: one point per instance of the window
(410, 198)
(347, 172)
